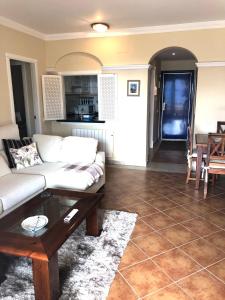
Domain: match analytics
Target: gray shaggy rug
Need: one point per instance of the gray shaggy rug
(87, 265)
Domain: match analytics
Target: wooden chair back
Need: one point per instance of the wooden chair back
(220, 127)
(216, 149)
(215, 162)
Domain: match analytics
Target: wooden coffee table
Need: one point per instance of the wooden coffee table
(42, 245)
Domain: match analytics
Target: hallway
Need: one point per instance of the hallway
(170, 157)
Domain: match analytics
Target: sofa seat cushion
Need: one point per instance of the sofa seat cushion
(59, 175)
(47, 169)
(17, 187)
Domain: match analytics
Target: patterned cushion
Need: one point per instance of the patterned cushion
(26, 156)
(16, 144)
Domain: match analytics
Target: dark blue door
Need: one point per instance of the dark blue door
(176, 104)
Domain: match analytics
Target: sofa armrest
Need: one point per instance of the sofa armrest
(100, 158)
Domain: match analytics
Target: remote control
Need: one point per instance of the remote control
(70, 215)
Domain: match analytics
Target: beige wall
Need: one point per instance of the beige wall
(206, 45)
(131, 119)
(210, 104)
(77, 62)
(21, 44)
(130, 127)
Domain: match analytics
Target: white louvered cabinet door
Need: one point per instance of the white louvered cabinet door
(107, 93)
(53, 97)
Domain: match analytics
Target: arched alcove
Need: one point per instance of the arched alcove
(78, 61)
(173, 67)
(180, 54)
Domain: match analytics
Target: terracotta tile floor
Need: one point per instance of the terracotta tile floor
(177, 249)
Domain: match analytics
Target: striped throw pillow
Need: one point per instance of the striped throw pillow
(15, 144)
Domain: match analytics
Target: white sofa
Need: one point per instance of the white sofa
(61, 158)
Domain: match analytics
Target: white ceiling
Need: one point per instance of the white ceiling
(73, 16)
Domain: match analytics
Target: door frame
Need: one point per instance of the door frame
(35, 88)
(191, 98)
(26, 98)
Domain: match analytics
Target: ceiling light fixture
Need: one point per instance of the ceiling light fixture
(100, 27)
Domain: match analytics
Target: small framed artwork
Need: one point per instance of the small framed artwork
(133, 87)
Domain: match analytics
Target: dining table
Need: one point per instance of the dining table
(201, 140)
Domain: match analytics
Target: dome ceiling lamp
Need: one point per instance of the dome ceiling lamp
(100, 27)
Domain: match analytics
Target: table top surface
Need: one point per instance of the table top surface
(55, 204)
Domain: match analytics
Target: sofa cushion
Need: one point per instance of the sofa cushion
(71, 149)
(58, 175)
(47, 169)
(17, 187)
(26, 156)
(49, 147)
(14, 144)
(78, 150)
(4, 169)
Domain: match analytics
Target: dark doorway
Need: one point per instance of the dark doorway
(18, 95)
(24, 96)
(176, 104)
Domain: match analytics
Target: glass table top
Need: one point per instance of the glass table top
(52, 206)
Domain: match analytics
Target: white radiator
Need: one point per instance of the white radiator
(98, 134)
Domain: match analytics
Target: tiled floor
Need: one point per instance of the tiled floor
(171, 152)
(177, 249)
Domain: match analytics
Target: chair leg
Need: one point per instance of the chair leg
(206, 184)
(213, 179)
(189, 169)
(188, 175)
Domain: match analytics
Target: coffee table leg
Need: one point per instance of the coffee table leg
(92, 223)
(46, 278)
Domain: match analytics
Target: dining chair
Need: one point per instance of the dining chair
(192, 157)
(220, 127)
(215, 161)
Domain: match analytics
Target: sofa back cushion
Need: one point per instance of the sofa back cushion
(4, 169)
(78, 150)
(9, 131)
(49, 147)
(71, 149)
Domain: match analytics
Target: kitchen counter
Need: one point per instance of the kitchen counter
(80, 121)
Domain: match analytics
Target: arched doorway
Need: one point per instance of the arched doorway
(172, 82)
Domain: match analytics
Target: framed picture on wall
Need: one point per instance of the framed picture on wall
(133, 87)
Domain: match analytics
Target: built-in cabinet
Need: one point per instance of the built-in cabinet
(81, 91)
(81, 85)
(81, 96)
(71, 98)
